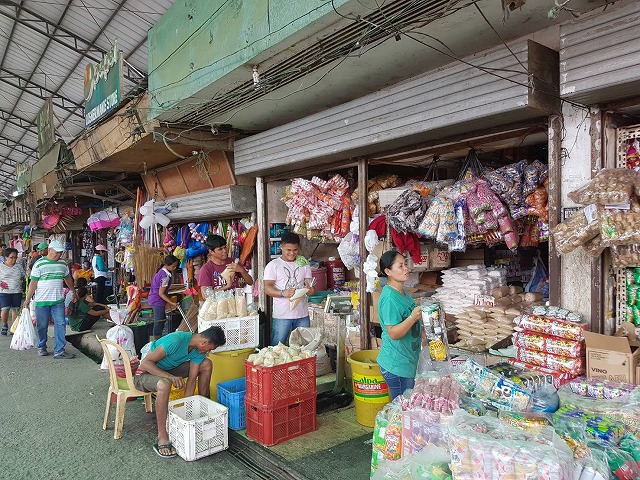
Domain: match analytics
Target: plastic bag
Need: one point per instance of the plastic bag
(123, 336)
(623, 256)
(432, 463)
(349, 251)
(581, 227)
(310, 340)
(387, 436)
(25, 336)
(539, 282)
(610, 186)
(620, 227)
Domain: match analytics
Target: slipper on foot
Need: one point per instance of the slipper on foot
(157, 448)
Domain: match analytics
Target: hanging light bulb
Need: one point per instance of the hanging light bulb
(256, 78)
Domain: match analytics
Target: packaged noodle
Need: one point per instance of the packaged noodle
(610, 186)
(578, 229)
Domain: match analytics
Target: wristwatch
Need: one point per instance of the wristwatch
(281, 293)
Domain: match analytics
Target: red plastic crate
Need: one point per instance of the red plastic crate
(282, 384)
(272, 425)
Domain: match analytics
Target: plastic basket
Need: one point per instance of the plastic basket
(231, 395)
(197, 427)
(240, 332)
(282, 384)
(272, 425)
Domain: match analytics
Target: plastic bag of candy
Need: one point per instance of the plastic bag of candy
(551, 326)
(574, 366)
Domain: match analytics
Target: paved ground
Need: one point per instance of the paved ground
(51, 415)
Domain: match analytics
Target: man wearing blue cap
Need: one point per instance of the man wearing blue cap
(48, 276)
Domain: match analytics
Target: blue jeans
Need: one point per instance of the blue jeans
(397, 385)
(159, 318)
(59, 330)
(281, 328)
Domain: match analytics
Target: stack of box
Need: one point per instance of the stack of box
(280, 400)
(551, 338)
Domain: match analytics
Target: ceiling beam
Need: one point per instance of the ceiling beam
(19, 122)
(29, 86)
(61, 35)
(92, 195)
(11, 143)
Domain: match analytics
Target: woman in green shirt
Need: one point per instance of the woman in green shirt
(400, 322)
(84, 313)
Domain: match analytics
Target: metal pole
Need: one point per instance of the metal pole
(363, 212)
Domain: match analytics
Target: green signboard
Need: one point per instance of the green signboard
(45, 127)
(102, 86)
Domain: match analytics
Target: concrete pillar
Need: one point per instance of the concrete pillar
(576, 170)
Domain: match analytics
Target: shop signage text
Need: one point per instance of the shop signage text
(102, 86)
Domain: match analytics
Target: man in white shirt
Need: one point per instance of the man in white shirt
(282, 277)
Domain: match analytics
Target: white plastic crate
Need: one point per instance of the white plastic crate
(240, 332)
(197, 427)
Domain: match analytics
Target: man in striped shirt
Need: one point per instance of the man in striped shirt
(48, 276)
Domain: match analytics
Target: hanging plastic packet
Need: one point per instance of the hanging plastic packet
(458, 242)
(435, 330)
(633, 155)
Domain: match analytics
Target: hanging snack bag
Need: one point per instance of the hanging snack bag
(620, 227)
(610, 186)
(231, 304)
(578, 229)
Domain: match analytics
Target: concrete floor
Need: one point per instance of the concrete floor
(52, 412)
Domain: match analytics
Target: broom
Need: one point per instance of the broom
(191, 317)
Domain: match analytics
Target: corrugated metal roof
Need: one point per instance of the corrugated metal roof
(599, 56)
(44, 48)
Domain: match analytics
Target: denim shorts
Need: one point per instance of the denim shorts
(10, 301)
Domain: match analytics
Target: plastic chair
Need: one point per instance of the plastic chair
(122, 388)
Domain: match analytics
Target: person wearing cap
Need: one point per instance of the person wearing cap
(48, 277)
(100, 273)
(40, 251)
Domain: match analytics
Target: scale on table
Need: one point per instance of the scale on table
(340, 306)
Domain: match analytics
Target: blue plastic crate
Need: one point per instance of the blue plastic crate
(231, 395)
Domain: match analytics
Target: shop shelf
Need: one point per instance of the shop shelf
(281, 384)
(197, 427)
(231, 394)
(272, 425)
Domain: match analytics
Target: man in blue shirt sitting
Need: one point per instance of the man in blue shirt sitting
(171, 359)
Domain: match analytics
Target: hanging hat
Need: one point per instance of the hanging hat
(100, 248)
(51, 220)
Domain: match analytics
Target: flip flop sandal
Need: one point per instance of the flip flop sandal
(168, 446)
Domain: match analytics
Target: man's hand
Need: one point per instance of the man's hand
(26, 303)
(177, 382)
(289, 292)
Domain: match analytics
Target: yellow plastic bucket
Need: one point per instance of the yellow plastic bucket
(227, 366)
(370, 391)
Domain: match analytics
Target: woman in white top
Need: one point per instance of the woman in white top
(11, 274)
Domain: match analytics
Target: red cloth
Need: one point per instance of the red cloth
(379, 224)
(407, 242)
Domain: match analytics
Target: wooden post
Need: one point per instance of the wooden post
(555, 212)
(263, 242)
(363, 212)
(596, 131)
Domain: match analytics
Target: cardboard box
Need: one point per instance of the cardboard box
(373, 309)
(613, 357)
(439, 259)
